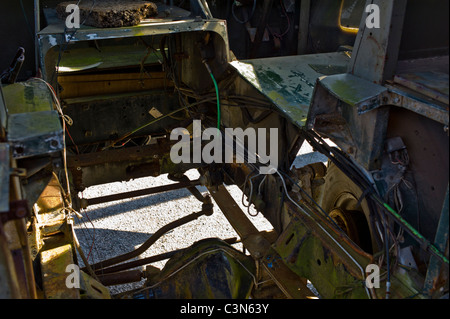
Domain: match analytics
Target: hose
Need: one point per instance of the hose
(217, 93)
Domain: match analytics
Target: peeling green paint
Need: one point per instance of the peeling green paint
(24, 97)
(307, 256)
(347, 92)
(289, 81)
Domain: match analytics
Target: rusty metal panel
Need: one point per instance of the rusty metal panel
(259, 247)
(354, 91)
(430, 84)
(289, 81)
(377, 48)
(54, 34)
(92, 289)
(35, 133)
(29, 96)
(410, 100)
(32, 126)
(314, 250)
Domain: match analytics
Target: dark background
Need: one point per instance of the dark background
(426, 29)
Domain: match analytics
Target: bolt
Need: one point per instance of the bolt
(54, 143)
(19, 150)
(21, 212)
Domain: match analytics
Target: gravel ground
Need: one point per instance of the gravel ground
(111, 229)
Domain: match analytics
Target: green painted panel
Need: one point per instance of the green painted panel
(289, 81)
(79, 59)
(29, 96)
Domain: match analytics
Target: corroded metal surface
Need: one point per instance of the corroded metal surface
(260, 247)
(111, 13)
(35, 133)
(410, 100)
(55, 34)
(357, 92)
(289, 81)
(377, 49)
(53, 264)
(431, 84)
(34, 128)
(30, 96)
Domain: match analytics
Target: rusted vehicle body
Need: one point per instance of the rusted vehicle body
(370, 224)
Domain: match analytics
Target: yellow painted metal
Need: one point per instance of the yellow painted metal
(91, 288)
(288, 82)
(30, 96)
(53, 266)
(98, 84)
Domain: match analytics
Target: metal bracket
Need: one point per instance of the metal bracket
(355, 91)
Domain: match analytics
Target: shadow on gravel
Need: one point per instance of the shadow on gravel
(107, 242)
(114, 208)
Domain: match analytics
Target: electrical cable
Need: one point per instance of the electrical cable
(67, 207)
(69, 121)
(350, 170)
(152, 122)
(250, 197)
(80, 251)
(93, 235)
(277, 35)
(217, 93)
(313, 201)
(248, 18)
(260, 184)
(244, 187)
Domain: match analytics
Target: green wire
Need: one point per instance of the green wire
(218, 100)
(413, 230)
